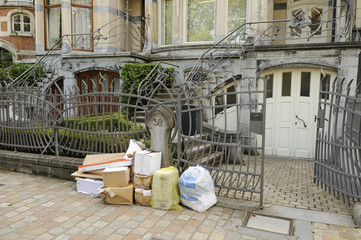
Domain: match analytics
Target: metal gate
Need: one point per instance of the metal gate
(338, 143)
(220, 129)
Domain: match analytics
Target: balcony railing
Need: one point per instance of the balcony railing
(20, 1)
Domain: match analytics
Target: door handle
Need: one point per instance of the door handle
(304, 124)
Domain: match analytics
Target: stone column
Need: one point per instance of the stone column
(160, 123)
(152, 13)
(39, 26)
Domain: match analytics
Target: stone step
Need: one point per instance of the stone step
(210, 159)
(195, 151)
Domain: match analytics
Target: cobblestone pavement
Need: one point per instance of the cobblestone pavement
(322, 231)
(35, 207)
(289, 182)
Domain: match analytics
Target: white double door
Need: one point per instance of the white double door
(291, 107)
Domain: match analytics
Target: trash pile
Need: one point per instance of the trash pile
(137, 176)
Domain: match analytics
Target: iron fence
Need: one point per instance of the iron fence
(208, 130)
(338, 149)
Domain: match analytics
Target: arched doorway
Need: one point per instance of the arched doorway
(291, 107)
(6, 58)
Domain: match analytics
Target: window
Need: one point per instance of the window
(6, 58)
(286, 84)
(166, 21)
(230, 96)
(307, 20)
(53, 32)
(269, 91)
(236, 13)
(316, 26)
(20, 24)
(200, 20)
(325, 86)
(82, 24)
(305, 84)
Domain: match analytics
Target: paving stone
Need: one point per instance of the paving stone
(139, 218)
(51, 208)
(124, 231)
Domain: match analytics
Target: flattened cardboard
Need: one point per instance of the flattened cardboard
(142, 196)
(97, 166)
(88, 186)
(87, 175)
(118, 195)
(142, 181)
(116, 177)
(102, 158)
(146, 162)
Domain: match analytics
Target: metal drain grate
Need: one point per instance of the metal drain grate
(268, 223)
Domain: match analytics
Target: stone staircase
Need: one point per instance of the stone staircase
(198, 149)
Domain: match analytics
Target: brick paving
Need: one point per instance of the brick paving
(332, 232)
(289, 182)
(36, 207)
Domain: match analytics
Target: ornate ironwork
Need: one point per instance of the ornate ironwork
(338, 145)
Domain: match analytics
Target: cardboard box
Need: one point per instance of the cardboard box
(118, 195)
(100, 161)
(142, 196)
(146, 162)
(88, 186)
(142, 181)
(116, 177)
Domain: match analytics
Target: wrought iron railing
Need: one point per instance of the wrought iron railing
(20, 1)
(127, 33)
(333, 24)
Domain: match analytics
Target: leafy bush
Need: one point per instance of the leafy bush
(76, 144)
(76, 136)
(134, 73)
(114, 122)
(19, 68)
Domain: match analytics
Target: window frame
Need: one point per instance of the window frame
(91, 28)
(22, 24)
(46, 7)
(185, 25)
(160, 20)
(318, 35)
(218, 19)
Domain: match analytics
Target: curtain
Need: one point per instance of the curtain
(82, 26)
(53, 23)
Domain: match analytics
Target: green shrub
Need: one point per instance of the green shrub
(134, 73)
(19, 68)
(114, 122)
(77, 136)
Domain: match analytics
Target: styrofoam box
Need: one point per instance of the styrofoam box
(146, 162)
(88, 186)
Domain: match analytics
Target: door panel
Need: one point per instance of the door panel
(290, 125)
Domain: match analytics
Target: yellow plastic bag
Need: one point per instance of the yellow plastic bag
(165, 189)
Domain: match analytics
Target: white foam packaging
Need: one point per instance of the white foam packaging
(147, 162)
(88, 186)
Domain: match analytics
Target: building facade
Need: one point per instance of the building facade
(293, 43)
(17, 31)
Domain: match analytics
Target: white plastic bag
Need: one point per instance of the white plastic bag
(197, 189)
